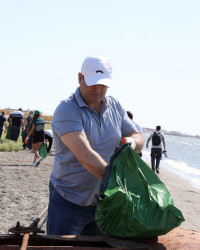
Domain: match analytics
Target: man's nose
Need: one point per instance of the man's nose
(98, 87)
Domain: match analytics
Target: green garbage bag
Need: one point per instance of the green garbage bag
(8, 134)
(134, 202)
(43, 150)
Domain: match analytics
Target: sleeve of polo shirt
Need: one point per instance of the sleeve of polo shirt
(67, 118)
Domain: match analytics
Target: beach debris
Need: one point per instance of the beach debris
(32, 228)
(18, 229)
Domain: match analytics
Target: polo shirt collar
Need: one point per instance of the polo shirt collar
(81, 102)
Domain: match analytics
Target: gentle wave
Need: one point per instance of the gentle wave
(188, 144)
(182, 166)
(178, 167)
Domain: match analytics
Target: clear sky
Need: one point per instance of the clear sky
(153, 46)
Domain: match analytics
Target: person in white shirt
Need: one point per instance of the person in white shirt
(157, 138)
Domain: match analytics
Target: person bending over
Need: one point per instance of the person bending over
(87, 128)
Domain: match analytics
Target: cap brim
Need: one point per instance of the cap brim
(94, 80)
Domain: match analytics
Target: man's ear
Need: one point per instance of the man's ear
(80, 77)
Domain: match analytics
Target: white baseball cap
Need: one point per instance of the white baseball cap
(96, 70)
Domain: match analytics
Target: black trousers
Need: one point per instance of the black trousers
(50, 141)
(15, 131)
(155, 156)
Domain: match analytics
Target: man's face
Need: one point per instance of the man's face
(92, 95)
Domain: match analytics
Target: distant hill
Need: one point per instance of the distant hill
(174, 133)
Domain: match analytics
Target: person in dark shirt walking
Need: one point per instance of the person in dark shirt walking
(17, 120)
(2, 122)
(37, 129)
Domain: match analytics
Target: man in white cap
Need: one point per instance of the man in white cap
(87, 128)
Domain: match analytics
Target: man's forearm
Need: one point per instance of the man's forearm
(77, 142)
(94, 164)
(139, 143)
(147, 145)
(164, 144)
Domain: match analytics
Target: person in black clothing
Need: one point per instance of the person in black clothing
(2, 122)
(157, 138)
(17, 120)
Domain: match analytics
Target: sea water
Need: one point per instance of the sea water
(183, 157)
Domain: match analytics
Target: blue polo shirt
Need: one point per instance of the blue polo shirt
(104, 131)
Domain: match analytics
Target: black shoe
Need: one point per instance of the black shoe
(157, 171)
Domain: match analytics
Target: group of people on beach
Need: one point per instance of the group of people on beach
(33, 131)
(87, 128)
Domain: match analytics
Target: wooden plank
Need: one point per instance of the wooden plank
(73, 242)
(177, 239)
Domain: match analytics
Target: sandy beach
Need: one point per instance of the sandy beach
(24, 191)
